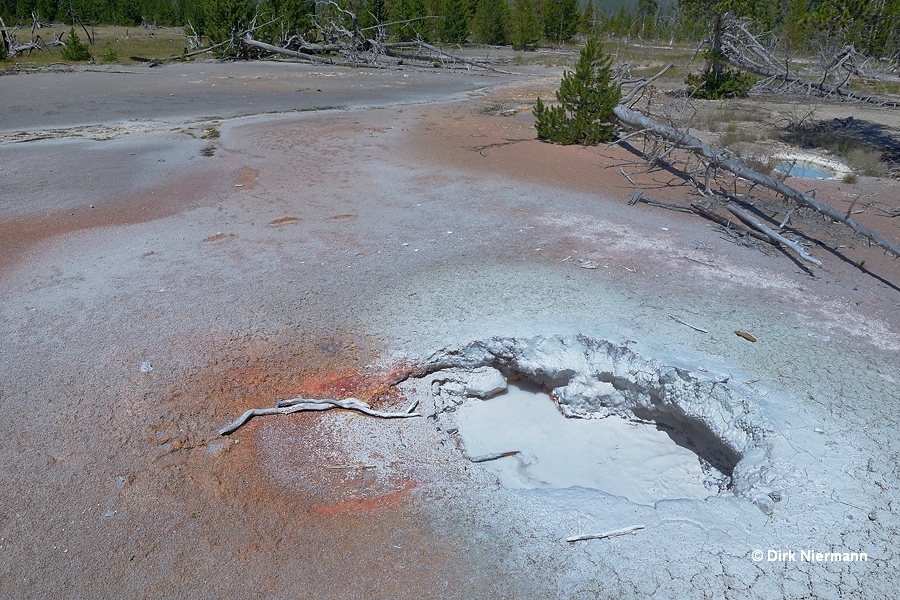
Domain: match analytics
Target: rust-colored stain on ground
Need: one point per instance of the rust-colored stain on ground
(248, 177)
(367, 506)
(374, 387)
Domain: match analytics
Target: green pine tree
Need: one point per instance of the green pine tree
(75, 49)
(284, 19)
(454, 27)
(588, 19)
(561, 19)
(408, 14)
(491, 22)
(586, 98)
(526, 25)
(222, 18)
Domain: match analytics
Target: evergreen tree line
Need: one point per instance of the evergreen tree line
(523, 23)
(872, 26)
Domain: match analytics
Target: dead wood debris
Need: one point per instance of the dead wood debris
(605, 535)
(831, 78)
(492, 456)
(745, 335)
(713, 160)
(694, 327)
(776, 237)
(345, 43)
(286, 407)
(15, 48)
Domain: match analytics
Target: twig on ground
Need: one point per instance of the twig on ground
(492, 456)
(697, 260)
(286, 407)
(787, 218)
(638, 196)
(606, 535)
(745, 335)
(677, 320)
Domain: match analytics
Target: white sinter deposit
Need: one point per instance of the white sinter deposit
(671, 433)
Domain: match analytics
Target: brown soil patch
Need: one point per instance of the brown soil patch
(217, 236)
(284, 220)
(495, 135)
(247, 178)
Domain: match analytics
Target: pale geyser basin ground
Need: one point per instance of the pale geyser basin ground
(292, 252)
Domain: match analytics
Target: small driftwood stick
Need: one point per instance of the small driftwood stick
(492, 456)
(749, 219)
(745, 335)
(677, 320)
(665, 205)
(286, 407)
(603, 536)
(697, 260)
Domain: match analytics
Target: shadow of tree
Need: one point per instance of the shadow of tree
(844, 135)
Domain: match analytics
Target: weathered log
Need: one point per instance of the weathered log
(749, 219)
(727, 223)
(821, 88)
(286, 407)
(492, 456)
(277, 50)
(745, 52)
(422, 45)
(692, 144)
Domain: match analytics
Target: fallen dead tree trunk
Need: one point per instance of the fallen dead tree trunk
(821, 88)
(745, 52)
(439, 54)
(277, 50)
(775, 236)
(716, 159)
(706, 213)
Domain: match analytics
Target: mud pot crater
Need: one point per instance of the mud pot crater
(562, 411)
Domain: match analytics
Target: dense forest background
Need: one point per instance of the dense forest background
(871, 26)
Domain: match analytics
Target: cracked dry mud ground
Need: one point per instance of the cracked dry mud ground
(317, 253)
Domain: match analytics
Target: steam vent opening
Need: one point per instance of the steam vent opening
(613, 420)
(639, 459)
